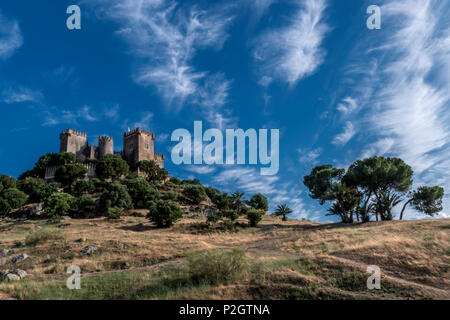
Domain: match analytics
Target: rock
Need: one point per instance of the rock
(125, 266)
(81, 240)
(4, 253)
(87, 251)
(12, 275)
(20, 258)
(65, 225)
(126, 245)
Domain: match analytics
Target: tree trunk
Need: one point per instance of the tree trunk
(403, 209)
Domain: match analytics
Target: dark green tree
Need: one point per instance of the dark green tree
(59, 204)
(259, 201)
(237, 201)
(164, 213)
(112, 167)
(254, 217)
(69, 173)
(81, 187)
(425, 199)
(195, 193)
(6, 182)
(14, 197)
(152, 172)
(141, 191)
(283, 210)
(32, 187)
(115, 195)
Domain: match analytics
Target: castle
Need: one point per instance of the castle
(138, 145)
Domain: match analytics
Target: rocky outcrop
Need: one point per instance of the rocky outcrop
(89, 250)
(12, 275)
(21, 257)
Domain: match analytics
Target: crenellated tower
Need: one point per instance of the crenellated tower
(73, 141)
(105, 146)
(138, 145)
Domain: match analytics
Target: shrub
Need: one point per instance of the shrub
(217, 266)
(69, 173)
(43, 235)
(140, 191)
(111, 167)
(194, 182)
(230, 214)
(152, 172)
(6, 182)
(59, 204)
(170, 195)
(175, 181)
(113, 213)
(164, 213)
(99, 185)
(213, 218)
(32, 187)
(81, 187)
(115, 195)
(213, 193)
(195, 193)
(84, 203)
(14, 197)
(5, 208)
(259, 201)
(254, 217)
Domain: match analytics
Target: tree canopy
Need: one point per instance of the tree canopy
(111, 167)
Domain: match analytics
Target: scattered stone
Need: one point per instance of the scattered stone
(12, 275)
(20, 258)
(4, 253)
(65, 225)
(125, 266)
(81, 240)
(126, 245)
(87, 251)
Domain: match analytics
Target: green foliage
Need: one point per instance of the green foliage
(113, 213)
(14, 197)
(237, 201)
(196, 193)
(283, 210)
(194, 181)
(222, 201)
(164, 213)
(254, 217)
(385, 202)
(42, 236)
(213, 218)
(32, 187)
(175, 181)
(217, 266)
(49, 160)
(6, 182)
(152, 172)
(212, 192)
(321, 182)
(81, 187)
(140, 191)
(115, 195)
(69, 173)
(99, 185)
(230, 214)
(59, 204)
(111, 167)
(259, 201)
(5, 208)
(170, 195)
(85, 203)
(426, 199)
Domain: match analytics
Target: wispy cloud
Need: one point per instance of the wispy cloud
(295, 51)
(20, 94)
(55, 116)
(344, 137)
(11, 37)
(309, 156)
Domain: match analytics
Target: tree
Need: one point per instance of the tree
(386, 201)
(377, 175)
(259, 201)
(49, 160)
(14, 197)
(283, 210)
(254, 217)
(81, 187)
(59, 204)
(111, 167)
(32, 187)
(69, 173)
(115, 195)
(6, 182)
(426, 199)
(325, 184)
(164, 213)
(152, 172)
(237, 200)
(195, 193)
(5, 208)
(85, 203)
(140, 191)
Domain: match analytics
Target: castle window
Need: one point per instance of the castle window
(146, 146)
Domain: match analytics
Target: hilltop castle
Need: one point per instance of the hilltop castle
(138, 145)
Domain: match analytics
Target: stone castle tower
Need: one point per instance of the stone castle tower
(138, 145)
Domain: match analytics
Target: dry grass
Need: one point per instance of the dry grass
(290, 260)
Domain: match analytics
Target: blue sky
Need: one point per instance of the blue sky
(336, 90)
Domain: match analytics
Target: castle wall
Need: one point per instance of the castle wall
(105, 146)
(138, 145)
(73, 141)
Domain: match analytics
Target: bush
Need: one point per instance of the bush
(194, 182)
(59, 204)
(111, 167)
(81, 187)
(99, 185)
(85, 203)
(5, 208)
(32, 187)
(259, 202)
(164, 213)
(213, 218)
(170, 195)
(140, 191)
(14, 197)
(115, 195)
(217, 266)
(254, 217)
(6, 182)
(43, 235)
(230, 214)
(195, 193)
(152, 172)
(212, 193)
(175, 181)
(113, 213)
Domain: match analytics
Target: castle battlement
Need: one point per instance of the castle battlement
(105, 139)
(75, 133)
(138, 131)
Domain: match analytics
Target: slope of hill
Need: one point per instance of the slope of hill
(283, 260)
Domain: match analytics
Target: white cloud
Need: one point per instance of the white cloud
(54, 116)
(347, 106)
(20, 94)
(344, 137)
(10, 37)
(205, 169)
(294, 52)
(309, 156)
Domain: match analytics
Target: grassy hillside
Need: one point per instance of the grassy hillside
(283, 260)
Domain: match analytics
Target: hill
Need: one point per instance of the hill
(281, 260)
